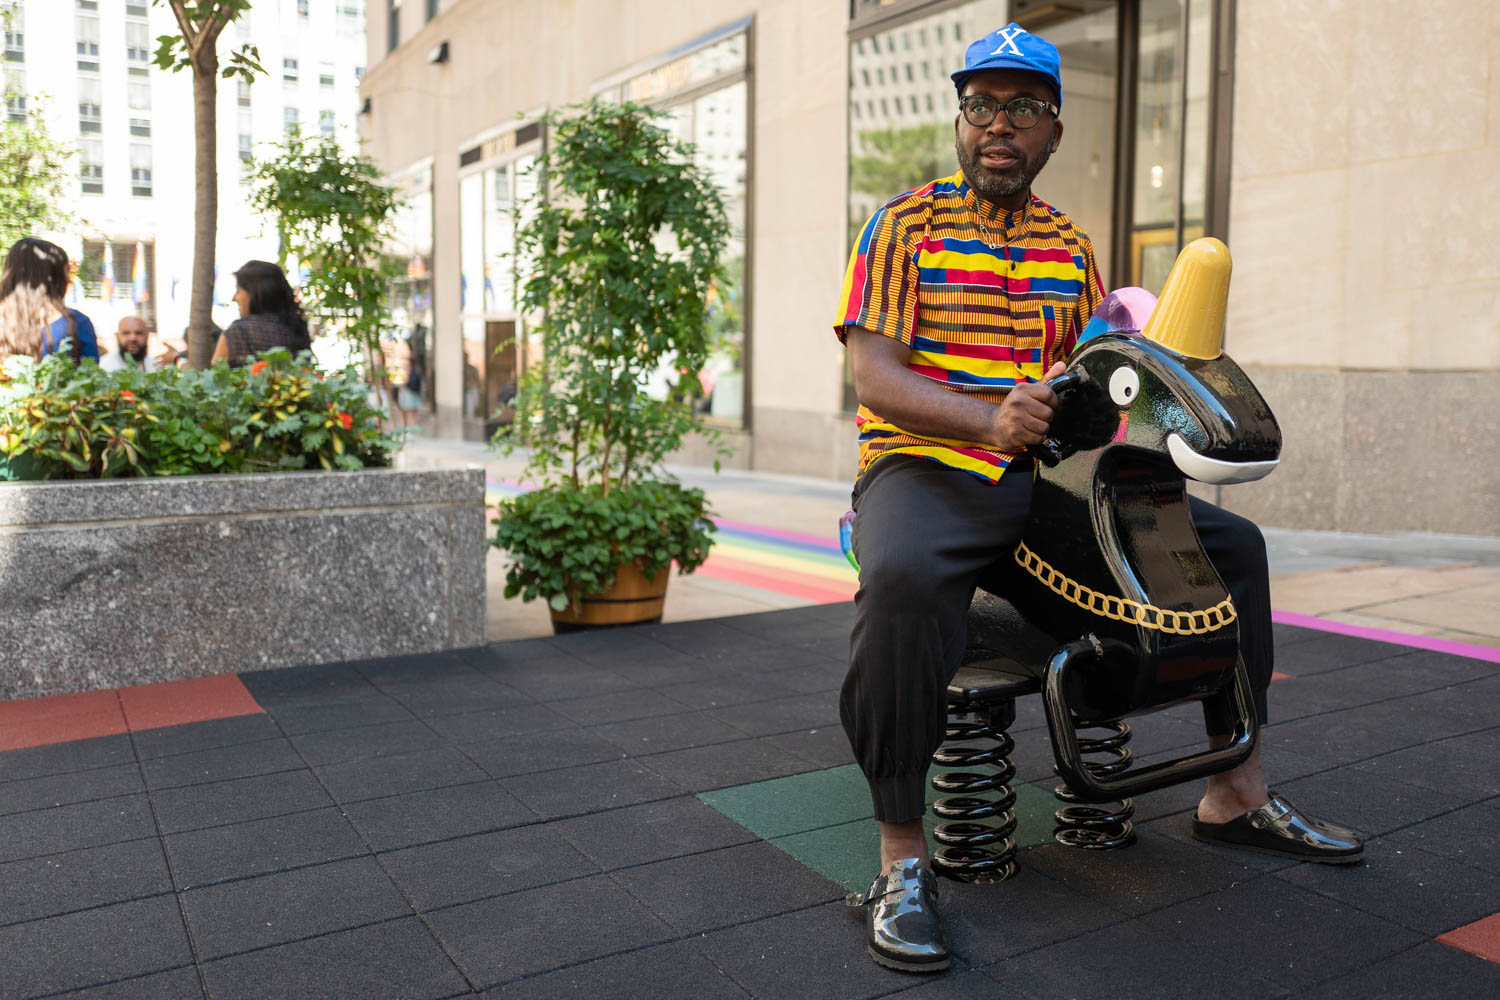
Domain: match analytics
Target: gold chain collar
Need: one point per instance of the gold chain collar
(1122, 609)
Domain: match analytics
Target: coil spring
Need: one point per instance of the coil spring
(976, 843)
(1095, 827)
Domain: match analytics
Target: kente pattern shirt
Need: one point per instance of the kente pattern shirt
(984, 298)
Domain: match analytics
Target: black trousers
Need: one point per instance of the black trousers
(924, 537)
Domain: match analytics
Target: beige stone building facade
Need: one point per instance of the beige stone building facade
(1348, 152)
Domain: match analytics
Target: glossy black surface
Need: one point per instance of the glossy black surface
(1279, 828)
(975, 838)
(902, 927)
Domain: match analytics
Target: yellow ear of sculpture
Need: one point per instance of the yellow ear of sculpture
(1189, 316)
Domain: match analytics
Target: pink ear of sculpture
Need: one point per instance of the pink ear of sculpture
(1124, 310)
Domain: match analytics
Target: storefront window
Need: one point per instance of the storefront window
(706, 93)
(409, 355)
(493, 197)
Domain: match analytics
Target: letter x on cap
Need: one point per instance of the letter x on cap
(1012, 47)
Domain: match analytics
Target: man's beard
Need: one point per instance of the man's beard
(997, 186)
(140, 356)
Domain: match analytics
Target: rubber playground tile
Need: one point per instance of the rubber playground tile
(1330, 652)
(1448, 766)
(376, 777)
(454, 695)
(78, 880)
(176, 703)
(1480, 938)
(498, 723)
(307, 685)
(589, 788)
(699, 769)
(987, 923)
(1126, 959)
(176, 984)
(296, 719)
(103, 944)
(439, 814)
(661, 733)
(262, 846)
(385, 671)
(1337, 738)
(805, 955)
(489, 864)
(528, 754)
(674, 971)
(826, 747)
(394, 959)
(727, 690)
(797, 803)
(1282, 931)
(192, 737)
(1405, 885)
(1465, 835)
(651, 831)
(704, 892)
(74, 827)
(620, 706)
(524, 933)
(63, 758)
(1369, 803)
(782, 715)
(286, 906)
(549, 682)
(1430, 969)
(1154, 872)
(193, 807)
(22, 733)
(27, 794)
(380, 740)
(201, 767)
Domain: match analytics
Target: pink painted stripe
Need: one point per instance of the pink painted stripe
(1432, 643)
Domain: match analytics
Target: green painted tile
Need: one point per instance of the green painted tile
(848, 854)
(797, 803)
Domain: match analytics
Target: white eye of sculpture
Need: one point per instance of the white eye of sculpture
(1124, 385)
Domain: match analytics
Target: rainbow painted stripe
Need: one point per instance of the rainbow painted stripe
(807, 567)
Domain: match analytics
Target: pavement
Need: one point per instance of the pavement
(671, 810)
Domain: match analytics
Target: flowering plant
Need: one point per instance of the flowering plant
(61, 420)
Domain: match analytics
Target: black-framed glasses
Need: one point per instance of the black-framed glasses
(1024, 112)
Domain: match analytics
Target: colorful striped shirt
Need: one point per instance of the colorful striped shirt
(984, 298)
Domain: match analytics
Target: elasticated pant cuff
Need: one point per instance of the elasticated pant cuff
(900, 798)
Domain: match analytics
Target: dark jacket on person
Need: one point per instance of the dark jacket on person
(249, 335)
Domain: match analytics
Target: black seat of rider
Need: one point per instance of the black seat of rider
(1004, 654)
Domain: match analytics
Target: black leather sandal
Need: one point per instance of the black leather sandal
(1279, 828)
(902, 928)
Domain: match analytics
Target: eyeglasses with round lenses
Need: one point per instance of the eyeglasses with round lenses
(1024, 112)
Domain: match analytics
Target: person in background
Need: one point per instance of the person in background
(269, 316)
(34, 319)
(133, 340)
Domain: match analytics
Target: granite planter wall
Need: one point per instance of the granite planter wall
(104, 584)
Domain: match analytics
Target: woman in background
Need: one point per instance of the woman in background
(34, 319)
(269, 316)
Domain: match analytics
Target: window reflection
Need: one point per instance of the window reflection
(408, 356)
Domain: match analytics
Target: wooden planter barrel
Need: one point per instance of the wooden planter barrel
(633, 600)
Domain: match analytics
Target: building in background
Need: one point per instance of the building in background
(90, 64)
(1365, 302)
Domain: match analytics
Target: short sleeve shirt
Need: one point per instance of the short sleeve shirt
(984, 298)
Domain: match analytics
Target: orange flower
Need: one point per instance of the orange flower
(127, 395)
(257, 368)
(346, 421)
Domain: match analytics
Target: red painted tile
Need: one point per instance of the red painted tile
(52, 706)
(1481, 938)
(1277, 675)
(176, 703)
(17, 733)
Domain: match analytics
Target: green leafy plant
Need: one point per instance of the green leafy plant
(615, 261)
(334, 213)
(61, 420)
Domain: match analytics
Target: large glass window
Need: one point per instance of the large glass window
(493, 197)
(706, 92)
(409, 355)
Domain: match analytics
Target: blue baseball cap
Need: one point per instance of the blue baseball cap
(1012, 47)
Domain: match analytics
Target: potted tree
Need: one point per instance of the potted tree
(616, 257)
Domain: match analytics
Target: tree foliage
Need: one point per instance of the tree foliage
(616, 260)
(893, 160)
(34, 168)
(335, 215)
(200, 23)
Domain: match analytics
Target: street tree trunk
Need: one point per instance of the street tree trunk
(200, 338)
